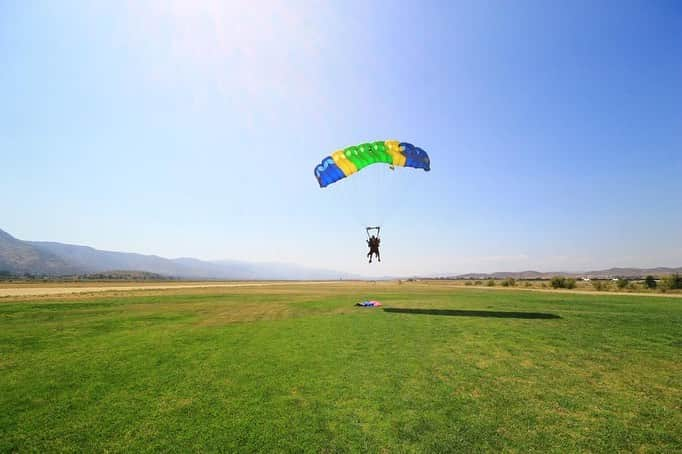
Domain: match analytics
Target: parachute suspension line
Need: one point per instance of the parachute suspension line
(377, 228)
(357, 190)
(378, 189)
(381, 179)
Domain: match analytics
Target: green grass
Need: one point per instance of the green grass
(294, 368)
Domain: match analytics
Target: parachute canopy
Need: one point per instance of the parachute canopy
(345, 162)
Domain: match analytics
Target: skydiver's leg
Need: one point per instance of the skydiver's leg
(378, 256)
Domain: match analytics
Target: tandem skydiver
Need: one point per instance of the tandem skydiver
(373, 244)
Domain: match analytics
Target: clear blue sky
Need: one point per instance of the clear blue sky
(192, 129)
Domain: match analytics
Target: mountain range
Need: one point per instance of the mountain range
(630, 273)
(44, 258)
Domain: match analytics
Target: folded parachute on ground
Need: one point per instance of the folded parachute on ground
(371, 303)
(345, 162)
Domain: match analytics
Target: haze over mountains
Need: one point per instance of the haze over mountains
(44, 258)
(58, 259)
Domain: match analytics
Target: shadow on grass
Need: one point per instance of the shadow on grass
(465, 313)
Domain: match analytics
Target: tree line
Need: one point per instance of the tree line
(667, 282)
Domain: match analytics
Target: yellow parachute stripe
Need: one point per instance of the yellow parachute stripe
(393, 150)
(346, 166)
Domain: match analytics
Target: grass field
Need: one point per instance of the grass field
(298, 368)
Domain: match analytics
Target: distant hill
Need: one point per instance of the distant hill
(504, 274)
(126, 276)
(20, 257)
(58, 259)
(630, 273)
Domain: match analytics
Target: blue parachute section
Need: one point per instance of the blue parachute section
(415, 156)
(328, 172)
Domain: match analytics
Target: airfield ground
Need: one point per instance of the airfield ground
(295, 366)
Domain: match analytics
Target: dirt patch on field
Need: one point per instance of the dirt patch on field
(42, 290)
(246, 312)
